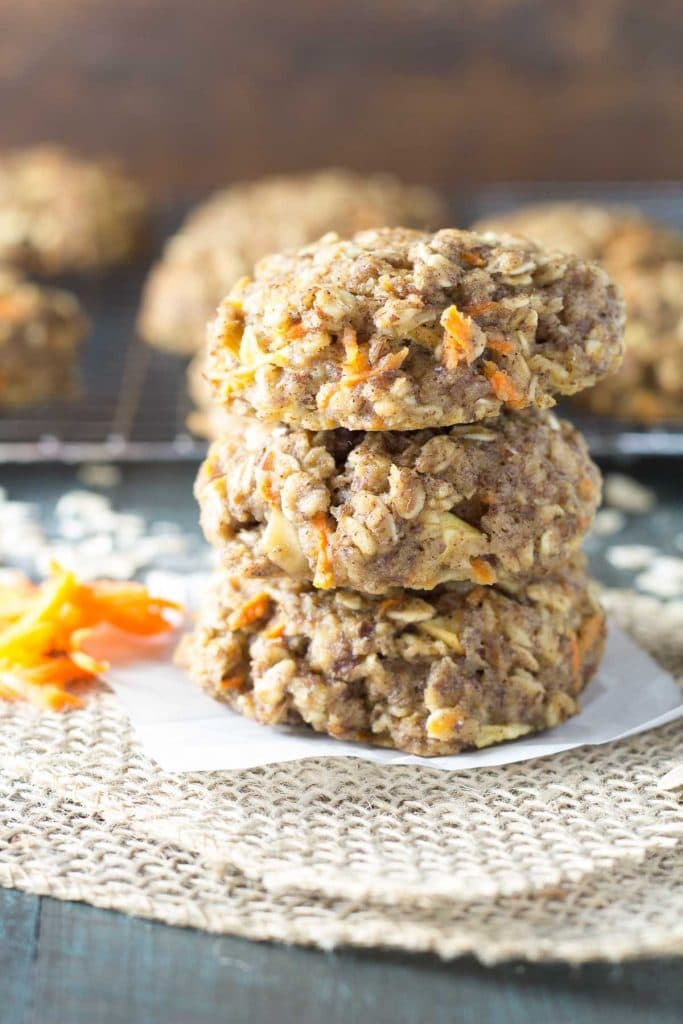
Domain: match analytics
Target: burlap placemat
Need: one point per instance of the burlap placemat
(574, 856)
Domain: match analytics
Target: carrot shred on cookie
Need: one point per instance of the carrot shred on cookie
(458, 342)
(43, 629)
(504, 388)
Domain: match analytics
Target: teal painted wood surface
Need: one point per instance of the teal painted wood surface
(67, 963)
(19, 917)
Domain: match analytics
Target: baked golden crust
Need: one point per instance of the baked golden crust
(430, 674)
(40, 332)
(399, 330)
(61, 213)
(226, 235)
(485, 503)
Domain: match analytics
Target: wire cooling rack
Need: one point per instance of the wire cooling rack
(133, 405)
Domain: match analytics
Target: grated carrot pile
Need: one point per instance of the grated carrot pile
(43, 628)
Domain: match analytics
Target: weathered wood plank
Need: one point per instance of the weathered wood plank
(96, 966)
(449, 92)
(19, 916)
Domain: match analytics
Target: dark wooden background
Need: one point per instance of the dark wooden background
(193, 92)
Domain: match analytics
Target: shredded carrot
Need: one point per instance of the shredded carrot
(324, 578)
(251, 611)
(458, 342)
(292, 331)
(589, 633)
(275, 632)
(474, 259)
(500, 345)
(482, 572)
(43, 628)
(585, 487)
(355, 361)
(356, 367)
(235, 682)
(503, 386)
(267, 492)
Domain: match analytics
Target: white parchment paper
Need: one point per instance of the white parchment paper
(184, 730)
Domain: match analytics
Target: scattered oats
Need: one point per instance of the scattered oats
(84, 505)
(164, 526)
(149, 549)
(625, 493)
(126, 525)
(630, 556)
(99, 474)
(17, 511)
(607, 522)
(93, 566)
(664, 577)
(187, 589)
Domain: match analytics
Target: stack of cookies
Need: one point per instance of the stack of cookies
(398, 515)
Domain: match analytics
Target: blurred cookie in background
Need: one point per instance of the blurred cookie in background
(618, 236)
(226, 235)
(646, 260)
(40, 333)
(61, 213)
(649, 386)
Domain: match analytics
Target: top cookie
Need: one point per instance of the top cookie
(400, 330)
(618, 236)
(61, 213)
(224, 237)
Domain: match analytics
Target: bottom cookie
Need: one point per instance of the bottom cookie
(429, 673)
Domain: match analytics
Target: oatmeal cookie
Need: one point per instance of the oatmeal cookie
(60, 213)
(616, 236)
(399, 330)
(485, 503)
(433, 673)
(40, 332)
(649, 385)
(227, 234)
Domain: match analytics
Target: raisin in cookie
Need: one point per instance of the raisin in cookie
(399, 330)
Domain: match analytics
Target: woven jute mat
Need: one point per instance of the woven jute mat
(575, 857)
